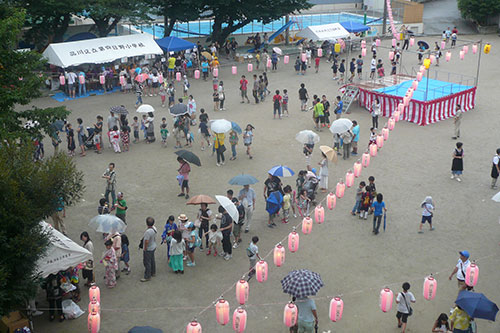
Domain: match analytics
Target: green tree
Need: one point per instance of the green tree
(479, 10)
(107, 13)
(174, 11)
(229, 15)
(29, 191)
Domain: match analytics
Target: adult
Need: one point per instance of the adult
(308, 316)
(221, 95)
(192, 109)
(272, 184)
(110, 176)
(459, 320)
(457, 120)
(52, 286)
(375, 111)
(184, 170)
(378, 207)
(238, 224)
(346, 145)
(247, 198)
(81, 84)
(88, 266)
(338, 108)
(406, 37)
(71, 76)
(150, 128)
(457, 165)
(355, 138)
(255, 89)
(495, 169)
(244, 89)
(220, 148)
(112, 122)
(403, 301)
(121, 208)
(323, 173)
(149, 247)
(80, 134)
(226, 225)
(204, 217)
(58, 216)
(303, 96)
(460, 269)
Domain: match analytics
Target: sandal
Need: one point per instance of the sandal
(62, 318)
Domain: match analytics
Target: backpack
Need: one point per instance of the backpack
(197, 240)
(276, 101)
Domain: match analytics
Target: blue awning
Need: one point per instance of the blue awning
(174, 44)
(353, 26)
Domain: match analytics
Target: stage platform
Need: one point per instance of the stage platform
(430, 104)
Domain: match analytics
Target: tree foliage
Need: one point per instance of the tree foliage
(479, 10)
(174, 11)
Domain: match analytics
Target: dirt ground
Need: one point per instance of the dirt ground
(414, 163)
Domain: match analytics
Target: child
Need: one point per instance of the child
(114, 136)
(287, 203)
(297, 65)
(284, 103)
(143, 126)
(238, 224)
(336, 143)
(70, 135)
(359, 64)
(352, 69)
(394, 68)
(125, 254)
(378, 208)
(166, 237)
(380, 69)
(164, 131)
(257, 60)
(427, 213)
(191, 244)
(303, 202)
(233, 140)
(103, 207)
(163, 94)
(248, 138)
(335, 68)
(204, 69)
(366, 199)
(277, 104)
(253, 255)
(342, 71)
(205, 135)
(266, 83)
(373, 188)
(453, 39)
(186, 86)
(373, 136)
(110, 263)
(307, 150)
(125, 135)
(316, 63)
(177, 248)
(357, 205)
(138, 93)
(215, 96)
(135, 126)
(214, 239)
(171, 94)
(403, 301)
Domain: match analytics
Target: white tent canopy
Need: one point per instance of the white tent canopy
(61, 254)
(100, 50)
(324, 32)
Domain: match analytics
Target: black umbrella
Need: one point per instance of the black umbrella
(178, 109)
(118, 109)
(144, 329)
(188, 156)
(423, 44)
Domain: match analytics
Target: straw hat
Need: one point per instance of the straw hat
(182, 217)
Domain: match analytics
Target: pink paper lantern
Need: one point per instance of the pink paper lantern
(474, 49)
(462, 55)
(396, 115)
(443, 45)
(430, 285)
(234, 70)
(385, 133)
(380, 141)
(401, 107)
(394, 42)
(242, 289)
(197, 74)
(390, 124)
(307, 224)
(412, 41)
(320, 52)
(331, 201)
(432, 58)
(363, 44)
(216, 72)
(357, 169)
(239, 320)
(94, 322)
(94, 306)
(303, 57)
(448, 56)
(373, 149)
(336, 309)
(193, 327)
(406, 101)
(290, 315)
(222, 312)
(102, 79)
(279, 255)
(414, 85)
(95, 293)
(81, 78)
(122, 80)
(268, 63)
(339, 191)
(377, 42)
(62, 80)
(466, 49)
(160, 78)
(349, 178)
(178, 76)
(419, 76)
(293, 241)
(363, 52)
(471, 275)
(261, 271)
(391, 55)
(250, 67)
(286, 59)
(365, 160)
(319, 214)
(386, 297)
(422, 69)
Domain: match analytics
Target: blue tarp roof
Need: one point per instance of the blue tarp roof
(352, 26)
(174, 44)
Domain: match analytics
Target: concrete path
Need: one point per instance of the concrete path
(440, 14)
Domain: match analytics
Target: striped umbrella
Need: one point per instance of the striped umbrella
(281, 171)
(301, 283)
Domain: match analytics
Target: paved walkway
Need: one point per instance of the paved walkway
(440, 14)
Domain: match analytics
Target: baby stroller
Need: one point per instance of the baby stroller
(88, 140)
(310, 185)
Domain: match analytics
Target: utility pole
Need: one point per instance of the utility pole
(384, 23)
(287, 31)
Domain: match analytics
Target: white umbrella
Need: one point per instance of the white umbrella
(277, 50)
(340, 126)
(307, 137)
(107, 223)
(61, 254)
(220, 126)
(145, 108)
(496, 197)
(229, 207)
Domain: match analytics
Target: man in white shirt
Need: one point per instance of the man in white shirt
(404, 300)
(373, 67)
(71, 76)
(460, 270)
(457, 119)
(247, 197)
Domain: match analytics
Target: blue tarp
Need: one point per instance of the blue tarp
(174, 44)
(81, 36)
(352, 26)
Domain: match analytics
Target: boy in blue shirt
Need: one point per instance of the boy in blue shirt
(378, 207)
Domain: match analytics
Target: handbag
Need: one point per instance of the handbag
(410, 310)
